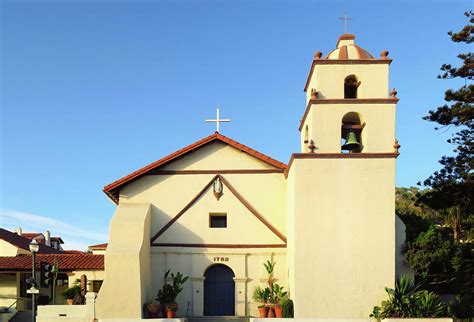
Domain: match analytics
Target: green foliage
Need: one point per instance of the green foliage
(452, 187)
(429, 305)
(71, 292)
(169, 292)
(431, 258)
(260, 295)
(269, 266)
(407, 301)
(278, 293)
(287, 308)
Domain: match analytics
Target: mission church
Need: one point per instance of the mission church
(216, 210)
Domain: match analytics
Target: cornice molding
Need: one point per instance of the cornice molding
(368, 155)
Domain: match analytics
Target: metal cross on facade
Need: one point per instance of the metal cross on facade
(345, 21)
(217, 120)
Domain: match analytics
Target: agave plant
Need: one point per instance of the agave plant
(429, 304)
(406, 301)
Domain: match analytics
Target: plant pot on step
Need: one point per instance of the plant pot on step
(153, 310)
(171, 310)
(278, 311)
(70, 301)
(263, 311)
(271, 312)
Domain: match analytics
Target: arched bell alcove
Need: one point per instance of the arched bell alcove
(351, 133)
(350, 86)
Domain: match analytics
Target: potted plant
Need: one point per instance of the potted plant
(152, 310)
(167, 295)
(270, 266)
(278, 295)
(260, 296)
(171, 311)
(69, 293)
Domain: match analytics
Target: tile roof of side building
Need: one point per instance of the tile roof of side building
(112, 190)
(24, 242)
(66, 262)
(98, 246)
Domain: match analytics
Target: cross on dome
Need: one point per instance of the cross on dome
(217, 120)
(345, 21)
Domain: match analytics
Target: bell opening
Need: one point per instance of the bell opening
(350, 86)
(351, 133)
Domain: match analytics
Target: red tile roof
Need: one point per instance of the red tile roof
(112, 190)
(70, 251)
(66, 262)
(30, 235)
(24, 243)
(98, 247)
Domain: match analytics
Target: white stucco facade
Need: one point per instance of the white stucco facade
(327, 218)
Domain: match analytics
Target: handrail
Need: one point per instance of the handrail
(8, 308)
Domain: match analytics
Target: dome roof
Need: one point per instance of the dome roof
(346, 49)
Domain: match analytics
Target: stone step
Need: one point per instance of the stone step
(22, 316)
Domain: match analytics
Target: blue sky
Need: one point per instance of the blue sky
(93, 90)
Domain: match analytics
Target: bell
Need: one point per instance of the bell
(351, 142)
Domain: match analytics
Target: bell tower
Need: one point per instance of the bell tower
(341, 186)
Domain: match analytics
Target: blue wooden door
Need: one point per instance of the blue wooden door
(219, 291)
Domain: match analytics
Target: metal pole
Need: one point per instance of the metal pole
(33, 273)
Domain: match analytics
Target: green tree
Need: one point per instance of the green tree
(452, 187)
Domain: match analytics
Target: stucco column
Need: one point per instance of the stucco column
(198, 295)
(240, 296)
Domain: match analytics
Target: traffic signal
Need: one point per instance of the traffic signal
(30, 282)
(46, 274)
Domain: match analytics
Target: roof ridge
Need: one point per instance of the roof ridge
(108, 189)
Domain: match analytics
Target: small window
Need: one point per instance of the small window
(96, 286)
(218, 220)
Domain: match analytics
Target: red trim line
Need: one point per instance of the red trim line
(235, 193)
(229, 171)
(368, 155)
(112, 190)
(188, 205)
(219, 245)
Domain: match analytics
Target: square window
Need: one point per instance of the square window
(217, 220)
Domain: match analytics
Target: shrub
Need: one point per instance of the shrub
(169, 292)
(287, 308)
(407, 301)
(71, 292)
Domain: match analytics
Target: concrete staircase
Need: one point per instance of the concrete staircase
(22, 316)
(218, 319)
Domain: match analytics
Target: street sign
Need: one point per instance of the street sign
(32, 290)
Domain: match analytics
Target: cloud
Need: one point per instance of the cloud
(37, 223)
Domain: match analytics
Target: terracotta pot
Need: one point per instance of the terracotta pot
(70, 301)
(153, 310)
(263, 311)
(271, 312)
(170, 314)
(278, 311)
